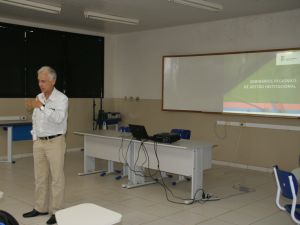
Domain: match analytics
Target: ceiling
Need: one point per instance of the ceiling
(152, 14)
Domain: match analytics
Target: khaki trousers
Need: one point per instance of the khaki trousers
(49, 157)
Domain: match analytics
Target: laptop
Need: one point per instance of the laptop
(139, 132)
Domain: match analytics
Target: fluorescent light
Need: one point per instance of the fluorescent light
(110, 18)
(33, 5)
(199, 4)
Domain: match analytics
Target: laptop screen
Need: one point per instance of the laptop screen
(138, 132)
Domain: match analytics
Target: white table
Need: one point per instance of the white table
(184, 157)
(16, 131)
(101, 144)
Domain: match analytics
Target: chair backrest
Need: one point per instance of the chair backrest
(287, 186)
(184, 134)
(283, 178)
(7, 219)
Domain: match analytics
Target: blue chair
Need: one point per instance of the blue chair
(184, 134)
(287, 186)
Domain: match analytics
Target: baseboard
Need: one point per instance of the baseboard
(25, 155)
(242, 166)
(74, 149)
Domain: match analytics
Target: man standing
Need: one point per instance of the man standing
(49, 126)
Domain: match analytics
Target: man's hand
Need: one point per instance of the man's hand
(33, 103)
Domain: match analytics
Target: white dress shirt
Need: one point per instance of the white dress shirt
(53, 119)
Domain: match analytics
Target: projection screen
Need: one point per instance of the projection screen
(254, 82)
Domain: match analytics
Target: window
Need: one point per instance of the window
(44, 48)
(12, 61)
(85, 64)
(78, 60)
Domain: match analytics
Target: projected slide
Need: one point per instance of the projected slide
(255, 82)
(268, 85)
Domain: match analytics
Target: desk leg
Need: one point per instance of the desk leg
(125, 170)
(9, 146)
(134, 180)
(88, 163)
(110, 169)
(197, 177)
(110, 166)
(89, 166)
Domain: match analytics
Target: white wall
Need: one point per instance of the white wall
(137, 57)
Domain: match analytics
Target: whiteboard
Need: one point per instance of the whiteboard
(218, 82)
(188, 83)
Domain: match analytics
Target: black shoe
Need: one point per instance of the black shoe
(52, 220)
(34, 213)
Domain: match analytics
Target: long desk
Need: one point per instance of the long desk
(184, 157)
(16, 131)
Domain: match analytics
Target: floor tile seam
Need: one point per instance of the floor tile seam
(154, 214)
(171, 214)
(173, 205)
(187, 212)
(204, 221)
(259, 202)
(157, 220)
(234, 208)
(132, 207)
(259, 218)
(215, 216)
(245, 194)
(173, 221)
(264, 218)
(19, 200)
(256, 219)
(232, 222)
(153, 201)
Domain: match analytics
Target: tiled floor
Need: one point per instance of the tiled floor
(148, 205)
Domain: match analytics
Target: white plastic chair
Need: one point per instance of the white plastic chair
(87, 214)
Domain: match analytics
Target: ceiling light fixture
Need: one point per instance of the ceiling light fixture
(110, 18)
(33, 5)
(199, 4)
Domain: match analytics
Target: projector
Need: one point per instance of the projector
(166, 137)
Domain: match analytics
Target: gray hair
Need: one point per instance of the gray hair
(51, 72)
